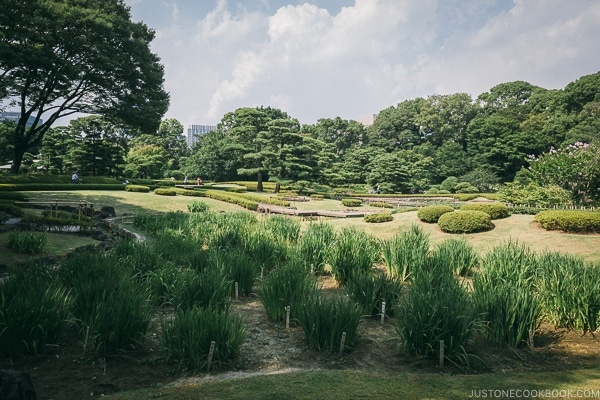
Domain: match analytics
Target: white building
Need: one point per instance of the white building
(195, 131)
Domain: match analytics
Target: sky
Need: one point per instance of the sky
(353, 58)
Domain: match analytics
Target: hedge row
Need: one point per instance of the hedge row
(465, 221)
(570, 220)
(137, 188)
(232, 198)
(59, 186)
(377, 218)
(381, 204)
(352, 202)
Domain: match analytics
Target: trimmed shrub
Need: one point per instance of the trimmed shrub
(165, 192)
(465, 222)
(381, 204)
(16, 196)
(137, 188)
(570, 221)
(494, 210)
(316, 196)
(378, 218)
(431, 214)
(352, 202)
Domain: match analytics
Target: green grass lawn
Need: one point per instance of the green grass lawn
(352, 384)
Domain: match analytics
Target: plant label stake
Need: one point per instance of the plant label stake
(287, 317)
(87, 334)
(236, 291)
(210, 355)
(342, 343)
(441, 353)
(262, 273)
(382, 311)
(312, 269)
(531, 346)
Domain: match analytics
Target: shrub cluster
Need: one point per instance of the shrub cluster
(465, 222)
(165, 192)
(137, 188)
(316, 196)
(570, 220)
(381, 204)
(495, 210)
(380, 217)
(432, 213)
(60, 186)
(352, 202)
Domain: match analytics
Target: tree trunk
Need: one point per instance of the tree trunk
(16, 161)
(259, 182)
(277, 187)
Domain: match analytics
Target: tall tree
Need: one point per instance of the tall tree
(61, 57)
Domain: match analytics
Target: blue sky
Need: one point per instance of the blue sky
(352, 58)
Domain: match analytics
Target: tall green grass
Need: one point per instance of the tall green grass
(289, 285)
(406, 252)
(313, 246)
(437, 307)
(27, 242)
(353, 250)
(569, 291)
(503, 292)
(188, 335)
(207, 289)
(370, 288)
(34, 311)
(458, 254)
(238, 268)
(325, 319)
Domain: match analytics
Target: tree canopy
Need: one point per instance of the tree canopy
(62, 57)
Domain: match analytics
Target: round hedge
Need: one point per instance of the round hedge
(352, 202)
(495, 210)
(465, 221)
(377, 218)
(569, 220)
(137, 188)
(165, 192)
(432, 213)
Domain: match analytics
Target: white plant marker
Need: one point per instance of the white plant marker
(210, 355)
(382, 312)
(236, 291)
(342, 343)
(287, 317)
(441, 353)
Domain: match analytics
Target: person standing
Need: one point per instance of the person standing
(75, 178)
(198, 181)
(185, 181)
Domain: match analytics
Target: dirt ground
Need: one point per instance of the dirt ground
(62, 373)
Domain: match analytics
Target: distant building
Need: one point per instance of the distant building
(368, 120)
(195, 131)
(14, 116)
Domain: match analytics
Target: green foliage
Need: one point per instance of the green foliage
(325, 319)
(166, 192)
(533, 194)
(288, 285)
(34, 311)
(316, 196)
(7, 195)
(494, 210)
(197, 207)
(353, 250)
(432, 213)
(569, 291)
(27, 242)
(352, 202)
(569, 220)
(137, 188)
(378, 218)
(34, 187)
(437, 307)
(370, 288)
(381, 204)
(405, 253)
(456, 254)
(7, 207)
(503, 292)
(187, 337)
(313, 245)
(238, 268)
(465, 222)
(209, 289)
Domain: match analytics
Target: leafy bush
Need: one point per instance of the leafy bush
(465, 222)
(187, 337)
(533, 194)
(316, 196)
(352, 202)
(570, 220)
(137, 188)
(494, 210)
(353, 250)
(381, 204)
(325, 319)
(432, 213)
(378, 218)
(27, 242)
(405, 252)
(34, 311)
